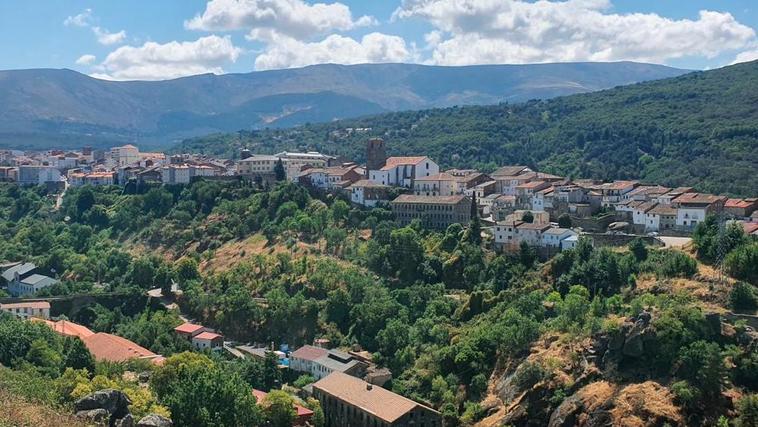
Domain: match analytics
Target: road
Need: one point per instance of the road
(675, 242)
(59, 199)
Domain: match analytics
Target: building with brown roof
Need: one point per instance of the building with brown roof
(113, 348)
(692, 208)
(369, 193)
(321, 362)
(350, 402)
(208, 341)
(740, 208)
(436, 212)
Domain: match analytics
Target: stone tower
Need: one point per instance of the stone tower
(376, 156)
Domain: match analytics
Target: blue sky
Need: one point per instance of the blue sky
(141, 39)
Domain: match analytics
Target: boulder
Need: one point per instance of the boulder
(98, 415)
(114, 402)
(154, 420)
(127, 421)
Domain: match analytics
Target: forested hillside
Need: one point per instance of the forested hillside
(700, 130)
(484, 337)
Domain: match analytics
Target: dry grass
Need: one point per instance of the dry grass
(17, 412)
(645, 404)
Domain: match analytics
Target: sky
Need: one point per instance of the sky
(163, 39)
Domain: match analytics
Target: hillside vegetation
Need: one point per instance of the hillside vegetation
(700, 130)
(628, 336)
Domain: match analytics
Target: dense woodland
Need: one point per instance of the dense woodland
(694, 130)
(450, 317)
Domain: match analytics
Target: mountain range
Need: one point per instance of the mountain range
(41, 108)
(699, 129)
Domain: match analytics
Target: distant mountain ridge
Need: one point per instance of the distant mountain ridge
(46, 107)
(698, 129)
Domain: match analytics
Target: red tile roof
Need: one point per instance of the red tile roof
(207, 336)
(397, 161)
(698, 199)
(444, 176)
(309, 352)
(750, 227)
(113, 348)
(737, 203)
(188, 328)
(32, 304)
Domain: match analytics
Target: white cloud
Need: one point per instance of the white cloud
(287, 52)
(86, 59)
(81, 20)
(154, 61)
(107, 38)
(514, 31)
(293, 18)
(747, 56)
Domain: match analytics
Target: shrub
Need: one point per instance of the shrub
(676, 264)
(747, 408)
(685, 394)
(742, 263)
(743, 297)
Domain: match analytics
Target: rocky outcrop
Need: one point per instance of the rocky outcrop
(111, 407)
(154, 420)
(598, 404)
(115, 402)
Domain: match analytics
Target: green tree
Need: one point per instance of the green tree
(77, 355)
(564, 221)
(747, 408)
(279, 171)
(743, 297)
(528, 216)
(279, 409)
(702, 364)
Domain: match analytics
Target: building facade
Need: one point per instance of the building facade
(433, 212)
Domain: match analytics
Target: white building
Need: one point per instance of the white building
(37, 174)
(183, 174)
(257, 165)
(404, 171)
(554, 237)
(25, 310)
(320, 362)
(295, 163)
(125, 155)
(368, 193)
(692, 208)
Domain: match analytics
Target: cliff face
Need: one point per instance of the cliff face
(599, 381)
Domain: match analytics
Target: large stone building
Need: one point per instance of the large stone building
(433, 211)
(351, 402)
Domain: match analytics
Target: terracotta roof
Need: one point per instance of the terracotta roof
(531, 184)
(750, 227)
(618, 185)
(447, 200)
(397, 161)
(698, 199)
(70, 329)
(368, 183)
(381, 403)
(665, 210)
(509, 171)
(737, 203)
(533, 226)
(648, 189)
(113, 348)
(207, 336)
(32, 304)
(644, 207)
(188, 328)
(309, 352)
